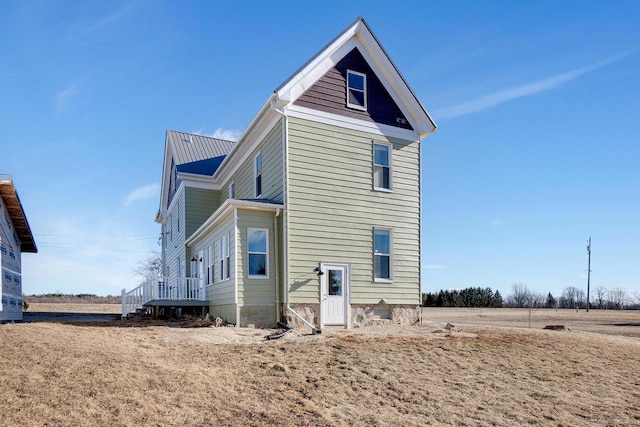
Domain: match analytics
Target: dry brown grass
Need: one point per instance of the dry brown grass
(609, 322)
(60, 374)
(59, 307)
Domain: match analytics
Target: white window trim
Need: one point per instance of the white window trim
(220, 260)
(356, 106)
(373, 235)
(210, 265)
(257, 276)
(232, 190)
(373, 166)
(255, 175)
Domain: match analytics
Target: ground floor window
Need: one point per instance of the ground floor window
(223, 258)
(257, 251)
(382, 266)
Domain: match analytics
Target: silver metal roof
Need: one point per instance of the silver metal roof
(188, 147)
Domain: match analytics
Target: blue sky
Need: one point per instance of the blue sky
(537, 105)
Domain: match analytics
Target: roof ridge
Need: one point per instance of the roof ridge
(201, 136)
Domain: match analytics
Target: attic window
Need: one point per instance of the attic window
(356, 90)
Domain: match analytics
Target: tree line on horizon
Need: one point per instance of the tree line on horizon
(523, 297)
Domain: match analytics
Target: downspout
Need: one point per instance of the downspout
(284, 305)
(235, 265)
(276, 254)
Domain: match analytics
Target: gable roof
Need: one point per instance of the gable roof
(14, 207)
(188, 147)
(192, 154)
(359, 35)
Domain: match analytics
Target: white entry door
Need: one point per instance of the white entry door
(335, 293)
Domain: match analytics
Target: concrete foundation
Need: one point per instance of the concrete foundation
(396, 314)
(361, 314)
(258, 316)
(310, 312)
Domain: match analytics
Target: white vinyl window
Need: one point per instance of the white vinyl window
(258, 252)
(257, 176)
(210, 263)
(223, 258)
(356, 90)
(382, 255)
(382, 166)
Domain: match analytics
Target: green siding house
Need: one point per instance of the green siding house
(313, 216)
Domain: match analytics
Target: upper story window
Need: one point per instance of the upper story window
(382, 166)
(382, 256)
(356, 90)
(257, 176)
(257, 250)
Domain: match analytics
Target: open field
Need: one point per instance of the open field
(105, 374)
(56, 307)
(609, 322)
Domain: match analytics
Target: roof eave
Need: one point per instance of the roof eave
(18, 218)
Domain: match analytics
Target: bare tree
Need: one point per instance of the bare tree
(520, 297)
(569, 297)
(580, 298)
(617, 298)
(148, 266)
(601, 296)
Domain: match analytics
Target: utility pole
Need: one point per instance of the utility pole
(588, 270)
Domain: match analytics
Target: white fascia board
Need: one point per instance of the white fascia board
(224, 209)
(315, 69)
(209, 223)
(164, 188)
(245, 135)
(350, 123)
(245, 147)
(359, 36)
(395, 84)
(198, 181)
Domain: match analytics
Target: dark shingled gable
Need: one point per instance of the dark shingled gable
(329, 94)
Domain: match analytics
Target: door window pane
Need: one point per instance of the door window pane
(335, 282)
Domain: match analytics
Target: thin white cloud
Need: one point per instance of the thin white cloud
(63, 98)
(146, 192)
(104, 22)
(227, 134)
(496, 223)
(491, 100)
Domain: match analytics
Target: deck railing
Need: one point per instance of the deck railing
(160, 288)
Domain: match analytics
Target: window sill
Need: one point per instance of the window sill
(356, 107)
(223, 280)
(379, 280)
(257, 277)
(383, 190)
